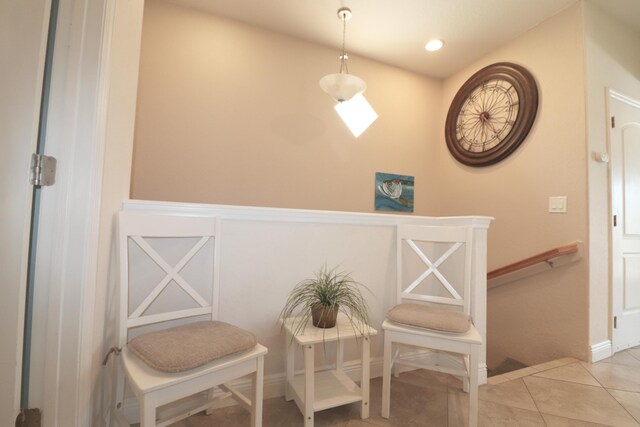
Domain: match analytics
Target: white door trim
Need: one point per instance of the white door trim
(620, 97)
(613, 95)
(70, 211)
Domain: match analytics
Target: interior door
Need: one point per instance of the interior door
(23, 39)
(625, 235)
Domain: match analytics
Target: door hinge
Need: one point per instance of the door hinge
(615, 220)
(613, 121)
(615, 322)
(43, 170)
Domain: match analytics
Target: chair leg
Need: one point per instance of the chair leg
(386, 376)
(473, 387)
(257, 380)
(147, 413)
(466, 361)
(120, 385)
(210, 393)
(396, 366)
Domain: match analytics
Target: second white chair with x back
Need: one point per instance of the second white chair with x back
(433, 312)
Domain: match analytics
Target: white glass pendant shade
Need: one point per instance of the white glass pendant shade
(342, 86)
(357, 114)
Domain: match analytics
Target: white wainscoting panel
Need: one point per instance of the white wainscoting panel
(265, 252)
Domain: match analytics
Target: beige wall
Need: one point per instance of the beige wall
(612, 62)
(544, 316)
(231, 114)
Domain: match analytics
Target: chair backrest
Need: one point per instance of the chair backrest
(168, 269)
(434, 265)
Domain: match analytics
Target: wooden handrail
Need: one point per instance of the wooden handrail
(547, 257)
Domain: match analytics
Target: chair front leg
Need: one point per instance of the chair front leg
(147, 412)
(386, 376)
(257, 382)
(473, 386)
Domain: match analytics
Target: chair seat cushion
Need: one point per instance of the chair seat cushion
(428, 317)
(186, 347)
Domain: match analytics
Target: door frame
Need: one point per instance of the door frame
(618, 96)
(70, 211)
(90, 131)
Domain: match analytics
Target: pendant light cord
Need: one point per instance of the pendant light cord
(344, 56)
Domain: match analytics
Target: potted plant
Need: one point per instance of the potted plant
(321, 298)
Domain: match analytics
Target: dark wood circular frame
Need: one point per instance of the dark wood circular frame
(525, 86)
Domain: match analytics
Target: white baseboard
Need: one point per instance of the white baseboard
(274, 384)
(600, 351)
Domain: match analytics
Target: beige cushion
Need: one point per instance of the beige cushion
(186, 347)
(424, 316)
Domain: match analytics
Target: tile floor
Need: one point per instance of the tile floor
(561, 393)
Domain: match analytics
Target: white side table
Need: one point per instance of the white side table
(315, 391)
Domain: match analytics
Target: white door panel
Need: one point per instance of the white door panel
(625, 235)
(631, 179)
(23, 33)
(631, 275)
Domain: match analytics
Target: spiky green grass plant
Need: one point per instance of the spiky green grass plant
(331, 288)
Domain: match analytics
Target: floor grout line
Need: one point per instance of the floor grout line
(415, 390)
(534, 401)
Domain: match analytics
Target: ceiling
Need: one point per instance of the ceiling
(396, 32)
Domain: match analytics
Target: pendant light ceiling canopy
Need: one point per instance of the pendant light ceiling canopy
(343, 86)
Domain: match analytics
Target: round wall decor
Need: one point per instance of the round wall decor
(491, 114)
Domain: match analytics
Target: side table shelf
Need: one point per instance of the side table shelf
(331, 388)
(315, 391)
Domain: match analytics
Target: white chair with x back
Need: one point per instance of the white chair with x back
(433, 312)
(173, 346)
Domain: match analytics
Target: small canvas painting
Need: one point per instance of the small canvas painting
(394, 192)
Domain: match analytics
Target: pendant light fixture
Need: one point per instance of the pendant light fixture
(346, 89)
(343, 86)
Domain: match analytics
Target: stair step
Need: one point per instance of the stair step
(507, 365)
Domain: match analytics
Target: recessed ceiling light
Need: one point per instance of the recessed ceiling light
(434, 45)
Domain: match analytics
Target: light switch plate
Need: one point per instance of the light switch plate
(558, 204)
